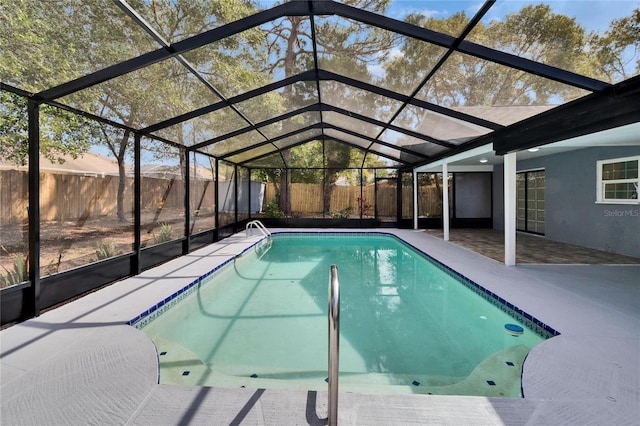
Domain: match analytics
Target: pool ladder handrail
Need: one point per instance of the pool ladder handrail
(263, 247)
(259, 226)
(334, 345)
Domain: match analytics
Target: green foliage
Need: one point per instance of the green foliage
(535, 33)
(610, 48)
(106, 250)
(15, 275)
(464, 80)
(61, 133)
(13, 128)
(166, 229)
(272, 210)
(44, 44)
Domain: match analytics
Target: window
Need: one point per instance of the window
(618, 181)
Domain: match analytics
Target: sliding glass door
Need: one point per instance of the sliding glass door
(530, 211)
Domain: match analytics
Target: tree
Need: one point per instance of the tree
(43, 45)
(291, 45)
(535, 32)
(469, 84)
(61, 133)
(616, 53)
(230, 65)
(36, 52)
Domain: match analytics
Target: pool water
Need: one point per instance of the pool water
(406, 324)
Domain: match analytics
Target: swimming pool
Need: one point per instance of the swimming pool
(408, 324)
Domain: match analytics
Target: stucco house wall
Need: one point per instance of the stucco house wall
(572, 214)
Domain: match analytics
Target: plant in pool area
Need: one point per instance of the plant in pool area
(106, 250)
(165, 233)
(273, 210)
(17, 274)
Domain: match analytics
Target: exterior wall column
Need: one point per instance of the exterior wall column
(445, 201)
(510, 209)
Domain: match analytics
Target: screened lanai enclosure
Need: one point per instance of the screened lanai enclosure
(137, 131)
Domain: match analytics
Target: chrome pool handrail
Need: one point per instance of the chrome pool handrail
(334, 345)
(259, 226)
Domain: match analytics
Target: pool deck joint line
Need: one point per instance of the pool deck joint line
(81, 363)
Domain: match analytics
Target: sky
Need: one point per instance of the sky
(593, 15)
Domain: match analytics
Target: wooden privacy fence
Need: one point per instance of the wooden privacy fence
(307, 199)
(80, 197)
(13, 197)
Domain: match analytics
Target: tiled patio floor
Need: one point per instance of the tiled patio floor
(531, 249)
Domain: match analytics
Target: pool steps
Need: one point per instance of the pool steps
(495, 369)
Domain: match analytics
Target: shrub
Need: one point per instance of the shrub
(273, 210)
(17, 274)
(165, 233)
(106, 250)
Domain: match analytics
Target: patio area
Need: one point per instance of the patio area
(531, 249)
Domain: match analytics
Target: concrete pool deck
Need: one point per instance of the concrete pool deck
(81, 364)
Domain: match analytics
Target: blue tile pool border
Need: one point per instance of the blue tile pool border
(518, 314)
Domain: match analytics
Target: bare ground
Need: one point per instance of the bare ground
(68, 244)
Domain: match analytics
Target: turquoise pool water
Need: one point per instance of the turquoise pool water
(407, 324)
